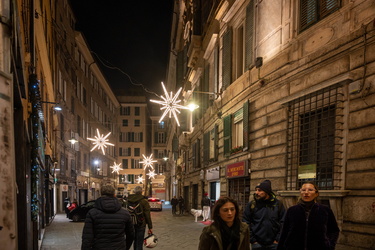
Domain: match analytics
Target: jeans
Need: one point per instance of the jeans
(257, 246)
(139, 237)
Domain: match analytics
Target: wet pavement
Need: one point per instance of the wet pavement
(173, 232)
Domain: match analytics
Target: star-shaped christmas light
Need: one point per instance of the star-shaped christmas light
(148, 161)
(170, 104)
(116, 167)
(100, 141)
(151, 174)
(140, 179)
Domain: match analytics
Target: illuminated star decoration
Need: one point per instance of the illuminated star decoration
(116, 167)
(100, 141)
(151, 174)
(148, 161)
(140, 179)
(170, 104)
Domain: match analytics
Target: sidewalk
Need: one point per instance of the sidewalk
(173, 232)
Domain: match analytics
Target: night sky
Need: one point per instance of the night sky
(132, 35)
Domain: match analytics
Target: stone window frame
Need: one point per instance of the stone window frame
(335, 197)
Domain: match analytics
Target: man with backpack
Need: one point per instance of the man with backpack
(139, 209)
(264, 215)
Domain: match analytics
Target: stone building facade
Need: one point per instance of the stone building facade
(286, 93)
(45, 63)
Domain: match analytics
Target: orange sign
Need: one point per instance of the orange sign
(236, 169)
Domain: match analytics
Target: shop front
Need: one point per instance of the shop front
(239, 183)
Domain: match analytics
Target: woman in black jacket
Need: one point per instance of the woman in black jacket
(309, 225)
(107, 224)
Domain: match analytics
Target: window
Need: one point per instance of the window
(125, 163)
(136, 164)
(137, 152)
(138, 137)
(124, 123)
(125, 151)
(136, 111)
(161, 125)
(239, 51)
(160, 137)
(210, 145)
(137, 123)
(315, 129)
(312, 11)
(125, 111)
(236, 131)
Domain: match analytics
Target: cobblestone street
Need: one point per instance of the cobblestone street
(173, 232)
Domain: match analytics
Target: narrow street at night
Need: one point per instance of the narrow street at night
(173, 232)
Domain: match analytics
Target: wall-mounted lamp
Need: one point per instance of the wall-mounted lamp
(56, 107)
(73, 141)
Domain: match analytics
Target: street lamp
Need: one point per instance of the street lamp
(56, 107)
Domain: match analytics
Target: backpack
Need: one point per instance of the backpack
(136, 212)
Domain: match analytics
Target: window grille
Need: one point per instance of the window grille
(315, 130)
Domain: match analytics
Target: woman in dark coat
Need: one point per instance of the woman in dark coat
(107, 225)
(227, 232)
(309, 225)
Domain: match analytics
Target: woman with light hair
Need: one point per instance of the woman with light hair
(309, 225)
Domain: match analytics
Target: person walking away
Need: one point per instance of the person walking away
(73, 205)
(206, 204)
(227, 231)
(107, 225)
(309, 225)
(264, 215)
(174, 203)
(66, 205)
(181, 205)
(140, 211)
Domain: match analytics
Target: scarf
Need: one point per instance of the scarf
(230, 235)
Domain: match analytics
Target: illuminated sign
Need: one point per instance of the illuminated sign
(236, 169)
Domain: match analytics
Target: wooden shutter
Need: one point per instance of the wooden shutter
(206, 147)
(227, 134)
(249, 33)
(180, 69)
(246, 125)
(227, 59)
(308, 13)
(216, 142)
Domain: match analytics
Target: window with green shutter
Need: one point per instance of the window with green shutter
(227, 134)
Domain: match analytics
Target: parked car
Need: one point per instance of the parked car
(79, 213)
(155, 204)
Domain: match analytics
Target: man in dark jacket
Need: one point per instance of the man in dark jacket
(264, 215)
(140, 228)
(107, 225)
(174, 203)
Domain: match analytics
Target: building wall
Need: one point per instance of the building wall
(334, 53)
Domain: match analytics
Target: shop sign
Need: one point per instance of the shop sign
(157, 185)
(64, 187)
(236, 169)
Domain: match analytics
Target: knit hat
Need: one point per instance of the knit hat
(265, 186)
